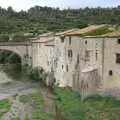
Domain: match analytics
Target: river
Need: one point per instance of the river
(12, 89)
(10, 86)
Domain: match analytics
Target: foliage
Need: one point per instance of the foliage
(7, 57)
(12, 63)
(4, 106)
(38, 74)
(35, 74)
(4, 37)
(15, 118)
(92, 108)
(43, 19)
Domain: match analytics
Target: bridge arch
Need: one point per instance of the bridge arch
(22, 49)
(10, 57)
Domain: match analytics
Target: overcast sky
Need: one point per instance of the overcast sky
(26, 4)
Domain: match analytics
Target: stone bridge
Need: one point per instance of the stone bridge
(23, 49)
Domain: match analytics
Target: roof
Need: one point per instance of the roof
(67, 31)
(112, 34)
(46, 34)
(42, 35)
(87, 29)
(77, 31)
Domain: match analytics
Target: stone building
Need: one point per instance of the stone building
(111, 60)
(79, 60)
(43, 51)
(85, 63)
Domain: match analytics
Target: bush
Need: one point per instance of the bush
(4, 38)
(38, 74)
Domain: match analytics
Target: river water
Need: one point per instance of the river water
(12, 89)
(10, 86)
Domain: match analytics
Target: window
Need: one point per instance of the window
(110, 73)
(70, 53)
(78, 58)
(118, 41)
(67, 68)
(69, 40)
(87, 55)
(86, 42)
(62, 66)
(118, 58)
(96, 54)
(62, 39)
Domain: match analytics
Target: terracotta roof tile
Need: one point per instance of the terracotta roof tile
(87, 29)
(67, 31)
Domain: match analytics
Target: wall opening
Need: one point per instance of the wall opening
(118, 58)
(70, 53)
(118, 41)
(96, 55)
(69, 40)
(67, 68)
(78, 59)
(87, 55)
(62, 66)
(85, 41)
(110, 72)
(62, 39)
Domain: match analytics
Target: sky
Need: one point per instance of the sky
(26, 4)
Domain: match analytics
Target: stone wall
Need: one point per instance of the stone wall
(111, 68)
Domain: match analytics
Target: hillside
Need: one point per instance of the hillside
(39, 20)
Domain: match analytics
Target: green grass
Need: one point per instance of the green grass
(36, 102)
(24, 98)
(40, 116)
(16, 118)
(92, 108)
(100, 31)
(4, 106)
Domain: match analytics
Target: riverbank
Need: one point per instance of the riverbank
(29, 101)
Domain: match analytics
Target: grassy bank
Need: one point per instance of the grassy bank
(92, 108)
(38, 106)
(4, 106)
